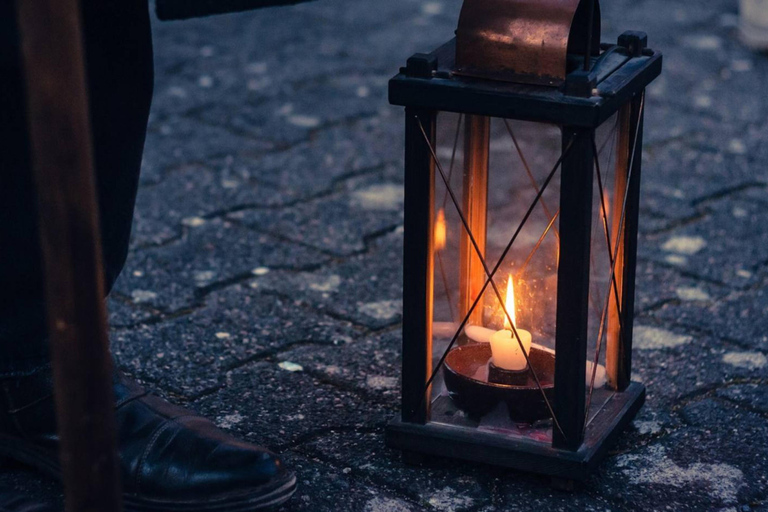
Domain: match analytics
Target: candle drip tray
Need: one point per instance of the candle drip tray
(466, 377)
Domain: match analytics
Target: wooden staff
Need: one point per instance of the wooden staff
(62, 161)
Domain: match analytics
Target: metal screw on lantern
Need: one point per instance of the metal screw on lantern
(515, 67)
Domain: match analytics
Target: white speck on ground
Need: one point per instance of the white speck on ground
(741, 65)
(256, 68)
(258, 84)
(432, 8)
(737, 147)
(222, 335)
(382, 310)
(143, 295)
(291, 367)
(739, 212)
(703, 42)
(193, 222)
(388, 196)
(205, 275)
(386, 505)
(653, 338)
(230, 420)
(381, 382)
(675, 259)
(322, 283)
(205, 81)
(285, 110)
(748, 360)
(177, 92)
(686, 245)
(702, 101)
(648, 427)
(746, 274)
(654, 467)
(449, 500)
(692, 294)
(304, 121)
(260, 271)
(363, 92)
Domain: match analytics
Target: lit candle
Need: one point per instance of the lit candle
(505, 348)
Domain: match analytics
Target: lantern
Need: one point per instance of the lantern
(523, 140)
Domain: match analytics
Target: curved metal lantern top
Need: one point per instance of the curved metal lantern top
(526, 41)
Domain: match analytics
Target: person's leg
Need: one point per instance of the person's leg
(118, 49)
(171, 459)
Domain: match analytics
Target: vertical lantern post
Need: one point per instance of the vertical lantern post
(573, 286)
(477, 138)
(418, 271)
(532, 363)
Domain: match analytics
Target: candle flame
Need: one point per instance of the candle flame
(510, 305)
(440, 231)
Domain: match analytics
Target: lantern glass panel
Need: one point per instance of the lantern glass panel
(500, 180)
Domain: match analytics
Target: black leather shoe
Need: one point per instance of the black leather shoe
(172, 460)
(13, 501)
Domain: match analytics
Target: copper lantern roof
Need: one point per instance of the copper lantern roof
(524, 41)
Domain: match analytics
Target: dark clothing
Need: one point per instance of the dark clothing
(178, 9)
(118, 49)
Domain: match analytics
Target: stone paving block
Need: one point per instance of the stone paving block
(293, 117)
(194, 353)
(752, 396)
(332, 155)
(674, 362)
(164, 150)
(282, 405)
(658, 285)
(340, 224)
(437, 485)
(172, 277)
(196, 192)
(518, 492)
(365, 288)
(681, 182)
(324, 487)
(728, 245)
(368, 363)
(701, 467)
(741, 317)
(124, 312)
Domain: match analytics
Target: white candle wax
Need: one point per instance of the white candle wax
(479, 334)
(506, 350)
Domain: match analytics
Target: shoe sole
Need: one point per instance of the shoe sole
(261, 498)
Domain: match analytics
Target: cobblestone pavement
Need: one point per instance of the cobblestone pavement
(263, 288)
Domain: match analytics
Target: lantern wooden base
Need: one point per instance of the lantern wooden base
(437, 439)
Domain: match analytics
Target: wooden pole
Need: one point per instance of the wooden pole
(62, 161)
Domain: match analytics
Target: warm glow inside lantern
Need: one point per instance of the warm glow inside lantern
(522, 172)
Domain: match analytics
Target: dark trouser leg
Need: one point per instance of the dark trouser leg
(118, 49)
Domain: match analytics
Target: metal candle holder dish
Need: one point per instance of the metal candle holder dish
(466, 374)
